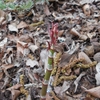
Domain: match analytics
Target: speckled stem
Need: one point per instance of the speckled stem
(47, 74)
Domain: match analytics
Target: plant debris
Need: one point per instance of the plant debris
(26, 29)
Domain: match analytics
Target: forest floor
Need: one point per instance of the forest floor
(24, 37)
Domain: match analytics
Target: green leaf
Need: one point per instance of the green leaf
(11, 6)
(27, 5)
(2, 5)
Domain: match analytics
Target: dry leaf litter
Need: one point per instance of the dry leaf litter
(24, 51)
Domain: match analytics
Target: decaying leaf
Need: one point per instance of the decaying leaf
(76, 82)
(28, 97)
(3, 42)
(24, 53)
(97, 57)
(94, 91)
(65, 87)
(98, 67)
(22, 48)
(32, 63)
(86, 1)
(22, 25)
(13, 27)
(33, 48)
(6, 67)
(46, 10)
(15, 94)
(85, 57)
(89, 50)
(97, 77)
(74, 32)
(14, 87)
(2, 17)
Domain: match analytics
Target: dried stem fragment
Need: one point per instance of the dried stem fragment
(36, 24)
(57, 75)
(71, 64)
(65, 78)
(54, 96)
(22, 89)
(56, 61)
(86, 65)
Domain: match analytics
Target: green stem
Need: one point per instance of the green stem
(47, 75)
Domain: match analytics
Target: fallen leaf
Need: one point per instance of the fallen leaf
(76, 82)
(22, 48)
(2, 16)
(85, 57)
(48, 97)
(6, 66)
(97, 57)
(32, 63)
(98, 67)
(13, 27)
(22, 24)
(86, 1)
(74, 32)
(33, 48)
(3, 42)
(46, 10)
(14, 87)
(15, 94)
(97, 77)
(93, 91)
(89, 50)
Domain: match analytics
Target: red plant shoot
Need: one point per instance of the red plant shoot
(53, 35)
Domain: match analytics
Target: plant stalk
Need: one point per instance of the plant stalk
(47, 74)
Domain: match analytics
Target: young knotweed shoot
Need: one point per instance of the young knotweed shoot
(53, 32)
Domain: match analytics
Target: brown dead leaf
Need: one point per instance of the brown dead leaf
(60, 33)
(15, 94)
(22, 48)
(65, 59)
(22, 24)
(89, 50)
(13, 38)
(88, 98)
(14, 91)
(85, 57)
(1, 54)
(6, 66)
(22, 44)
(48, 97)
(2, 16)
(15, 87)
(2, 13)
(46, 10)
(74, 32)
(93, 91)
(25, 38)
